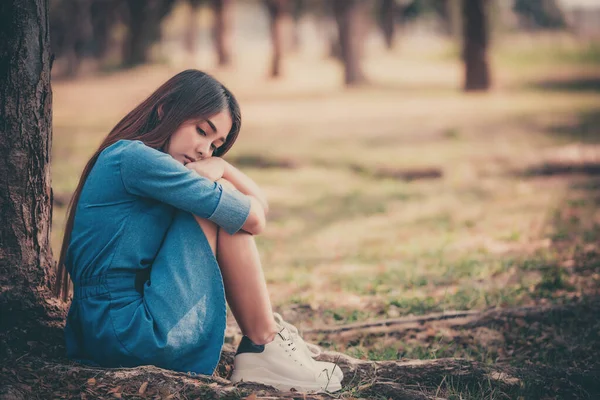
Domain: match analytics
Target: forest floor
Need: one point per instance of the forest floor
(397, 204)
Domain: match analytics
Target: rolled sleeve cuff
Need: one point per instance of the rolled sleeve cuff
(232, 211)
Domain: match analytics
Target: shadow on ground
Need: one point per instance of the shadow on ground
(585, 128)
(572, 85)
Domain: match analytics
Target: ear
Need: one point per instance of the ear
(160, 112)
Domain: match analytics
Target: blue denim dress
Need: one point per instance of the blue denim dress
(147, 287)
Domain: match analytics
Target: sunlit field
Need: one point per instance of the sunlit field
(406, 196)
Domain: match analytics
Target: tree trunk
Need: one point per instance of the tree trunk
(79, 35)
(25, 138)
(71, 33)
(297, 11)
(349, 16)
(450, 13)
(222, 30)
(475, 43)
(105, 15)
(190, 39)
(280, 13)
(143, 31)
(387, 21)
(137, 41)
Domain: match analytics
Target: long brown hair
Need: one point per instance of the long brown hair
(191, 94)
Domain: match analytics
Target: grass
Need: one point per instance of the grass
(351, 246)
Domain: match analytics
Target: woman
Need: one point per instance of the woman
(160, 231)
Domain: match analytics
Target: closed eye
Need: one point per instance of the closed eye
(200, 131)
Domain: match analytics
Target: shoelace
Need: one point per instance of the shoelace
(295, 338)
(313, 350)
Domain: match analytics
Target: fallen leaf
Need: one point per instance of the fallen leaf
(91, 381)
(251, 397)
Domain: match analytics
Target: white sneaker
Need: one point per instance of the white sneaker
(311, 350)
(282, 364)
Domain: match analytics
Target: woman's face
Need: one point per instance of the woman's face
(198, 139)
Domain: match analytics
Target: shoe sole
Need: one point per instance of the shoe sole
(264, 376)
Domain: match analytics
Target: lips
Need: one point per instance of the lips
(188, 159)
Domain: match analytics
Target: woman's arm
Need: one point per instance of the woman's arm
(219, 170)
(256, 221)
(246, 185)
(148, 172)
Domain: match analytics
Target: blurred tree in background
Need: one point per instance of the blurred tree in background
(143, 28)
(386, 19)
(71, 31)
(193, 29)
(222, 30)
(350, 15)
(280, 14)
(540, 14)
(105, 15)
(475, 44)
(123, 32)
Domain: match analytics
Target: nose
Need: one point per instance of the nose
(203, 149)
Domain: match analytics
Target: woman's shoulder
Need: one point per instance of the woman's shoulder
(126, 147)
(125, 144)
(135, 155)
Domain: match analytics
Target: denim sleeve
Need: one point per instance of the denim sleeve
(148, 172)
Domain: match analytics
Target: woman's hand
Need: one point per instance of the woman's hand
(244, 184)
(212, 168)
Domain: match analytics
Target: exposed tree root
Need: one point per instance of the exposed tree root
(35, 377)
(395, 323)
(466, 319)
(42, 373)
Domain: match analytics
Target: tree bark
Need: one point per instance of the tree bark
(475, 43)
(25, 137)
(222, 36)
(349, 16)
(280, 13)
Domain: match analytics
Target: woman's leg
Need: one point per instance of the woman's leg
(248, 298)
(244, 281)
